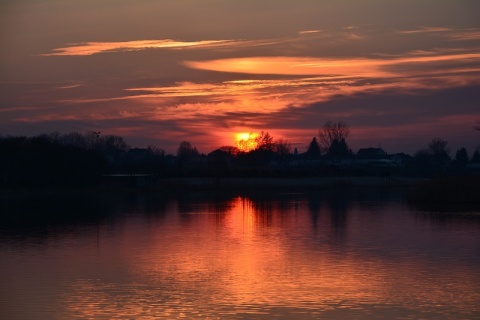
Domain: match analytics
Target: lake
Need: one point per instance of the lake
(337, 254)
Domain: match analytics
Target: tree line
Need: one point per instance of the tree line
(80, 160)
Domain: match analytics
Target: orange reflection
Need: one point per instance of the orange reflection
(246, 259)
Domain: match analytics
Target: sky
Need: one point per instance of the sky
(399, 73)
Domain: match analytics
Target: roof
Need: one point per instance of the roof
(368, 152)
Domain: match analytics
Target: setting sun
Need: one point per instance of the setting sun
(246, 141)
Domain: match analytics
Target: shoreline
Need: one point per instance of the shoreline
(314, 182)
(153, 184)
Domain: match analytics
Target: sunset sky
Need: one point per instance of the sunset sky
(158, 72)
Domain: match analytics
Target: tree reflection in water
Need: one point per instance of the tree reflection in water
(319, 253)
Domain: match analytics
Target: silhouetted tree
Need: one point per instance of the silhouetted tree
(74, 139)
(332, 131)
(53, 137)
(438, 148)
(422, 162)
(422, 154)
(45, 161)
(339, 148)
(155, 151)
(186, 151)
(434, 159)
(231, 150)
(461, 156)
(476, 156)
(112, 143)
(313, 148)
(155, 160)
(265, 142)
(91, 138)
(283, 147)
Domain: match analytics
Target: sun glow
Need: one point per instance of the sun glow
(246, 141)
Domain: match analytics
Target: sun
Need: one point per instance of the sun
(242, 136)
(246, 141)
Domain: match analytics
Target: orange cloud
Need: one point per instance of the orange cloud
(240, 90)
(90, 48)
(307, 32)
(287, 66)
(425, 30)
(187, 100)
(355, 67)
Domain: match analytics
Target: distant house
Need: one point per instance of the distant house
(374, 157)
(401, 159)
(371, 153)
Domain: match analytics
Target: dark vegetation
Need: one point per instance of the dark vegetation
(83, 161)
(48, 161)
(447, 193)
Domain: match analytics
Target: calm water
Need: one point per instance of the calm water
(297, 256)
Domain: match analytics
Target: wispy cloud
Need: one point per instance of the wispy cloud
(466, 35)
(239, 87)
(71, 86)
(232, 90)
(90, 48)
(447, 33)
(19, 109)
(425, 30)
(355, 67)
(307, 32)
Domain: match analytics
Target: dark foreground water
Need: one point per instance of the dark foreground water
(316, 255)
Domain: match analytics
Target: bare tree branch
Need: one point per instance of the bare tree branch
(333, 131)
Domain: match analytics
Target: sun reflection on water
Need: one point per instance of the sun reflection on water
(258, 259)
